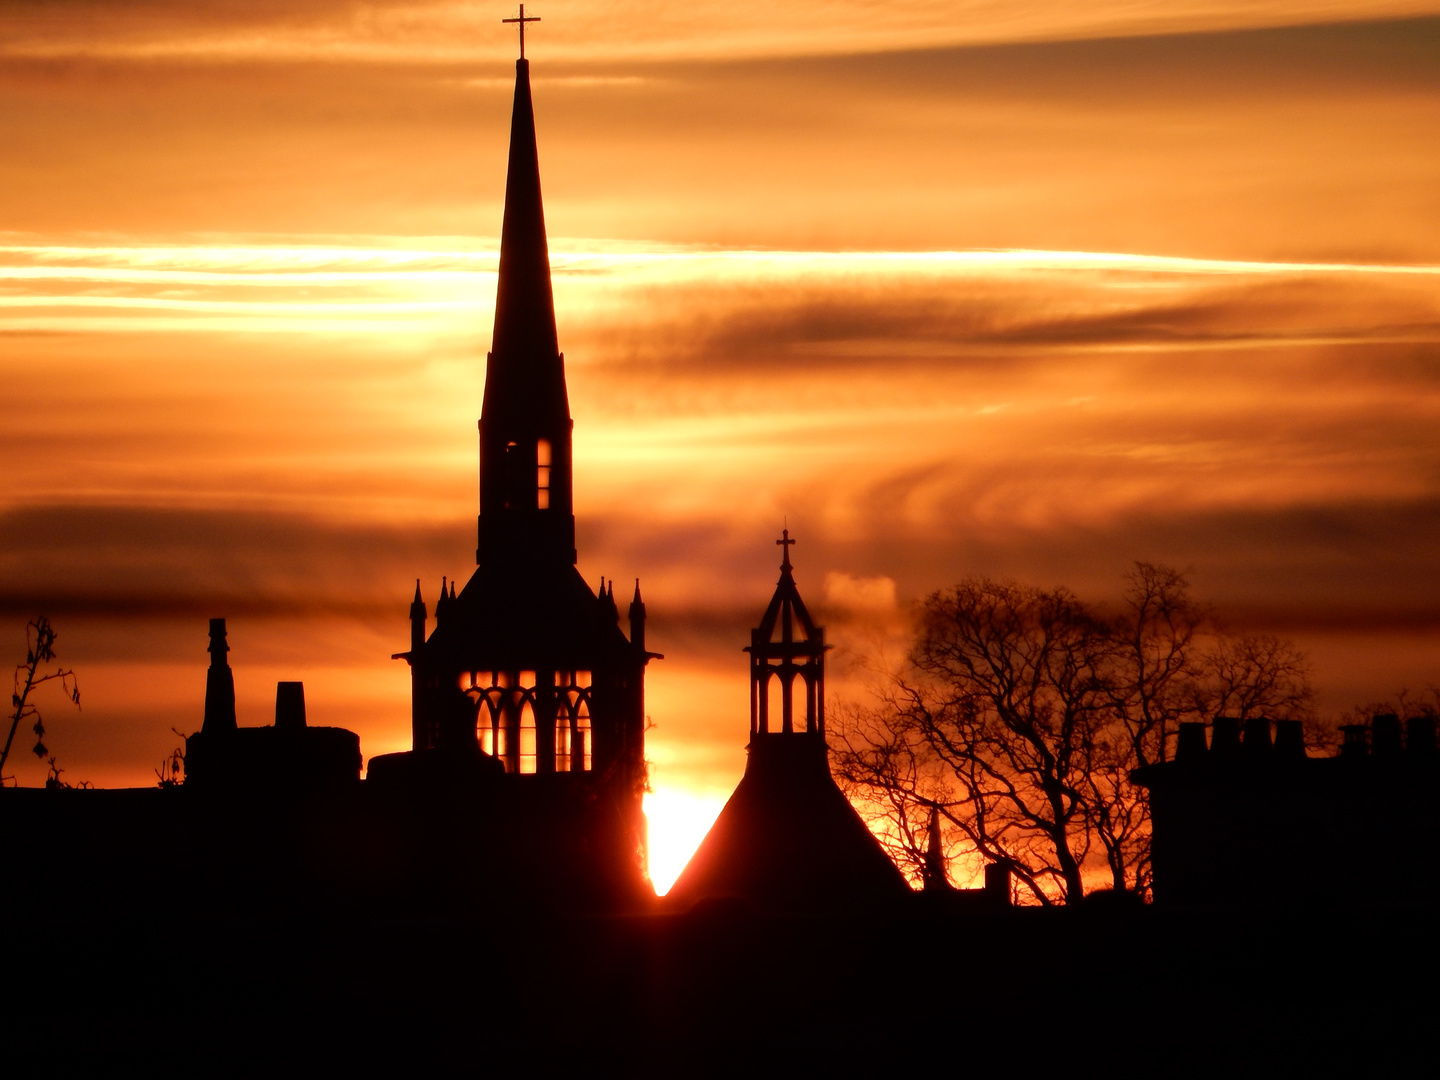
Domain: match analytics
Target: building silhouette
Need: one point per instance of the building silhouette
(788, 839)
(288, 756)
(1248, 819)
(527, 686)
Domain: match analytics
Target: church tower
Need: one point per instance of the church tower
(527, 675)
(788, 840)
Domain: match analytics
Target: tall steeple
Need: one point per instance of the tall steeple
(527, 673)
(527, 659)
(526, 501)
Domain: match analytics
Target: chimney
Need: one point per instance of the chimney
(1190, 747)
(219, 685)
(1257, 736)
(1354, 745)
(934, 877)
(1385, 735)
(290, 706)
(1225, 737)
(1290, 740)
(1420, 735)
(997, 884)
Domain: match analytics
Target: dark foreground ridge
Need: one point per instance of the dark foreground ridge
(724, 988)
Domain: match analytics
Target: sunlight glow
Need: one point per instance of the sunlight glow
(376, 289)
(678, 820)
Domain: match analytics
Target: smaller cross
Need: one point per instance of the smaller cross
(787, 543)
(522, 20)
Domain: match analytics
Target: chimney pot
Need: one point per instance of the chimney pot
(1225, 737)
(1420, 735)
(1257, 736)
(290, 706)
(1190, 747)
(1385, 735)
(1290, 740)
(1355, 745)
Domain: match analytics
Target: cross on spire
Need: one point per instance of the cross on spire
(786, 543)
(522, 20)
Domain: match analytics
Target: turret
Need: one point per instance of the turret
(418, 614)
(787, 663)
(637, 619)
(608, 611)
(788, 840)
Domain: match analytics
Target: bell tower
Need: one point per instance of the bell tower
(787, 840)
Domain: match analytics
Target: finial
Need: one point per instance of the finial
(452, 590)
(418, 600)
(786, 544)
(636, 599)
(522, 20)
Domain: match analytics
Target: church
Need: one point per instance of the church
(527, 688)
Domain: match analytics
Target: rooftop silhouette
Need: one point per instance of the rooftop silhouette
(788, 839)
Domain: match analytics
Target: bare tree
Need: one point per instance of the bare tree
(30, 676)
(1259, 675)
(1022, 712)
(171, 772)
(995, 726)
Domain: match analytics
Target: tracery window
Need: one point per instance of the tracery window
(573, 736)
(507, 726)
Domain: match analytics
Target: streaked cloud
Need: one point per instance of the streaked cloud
(1295, 143)
(445, 30)
(915, 417)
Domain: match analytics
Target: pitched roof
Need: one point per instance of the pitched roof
(788, 839)
(526, 615)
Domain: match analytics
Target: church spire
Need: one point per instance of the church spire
(526, 501)
(525, 341)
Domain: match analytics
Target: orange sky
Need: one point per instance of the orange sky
(1021, 289)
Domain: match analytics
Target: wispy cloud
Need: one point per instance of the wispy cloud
(445, 30)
